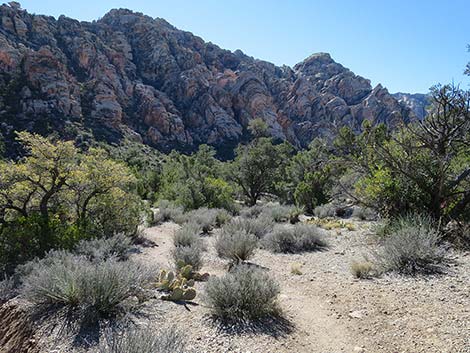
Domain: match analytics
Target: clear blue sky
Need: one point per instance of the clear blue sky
(405, 45)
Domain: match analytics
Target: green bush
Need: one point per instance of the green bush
(195, 181)
(294, 239)
(236, 246)
(245, 293)
(58, 195)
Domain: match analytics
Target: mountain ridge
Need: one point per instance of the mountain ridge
(128, 74)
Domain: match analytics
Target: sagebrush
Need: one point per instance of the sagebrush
(294, 239)
(236, 246)
(245, 293)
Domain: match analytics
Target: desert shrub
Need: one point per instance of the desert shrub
(323, 211)
(279, 213)
(189, 255)
(364, 213)
(236, 246)
(245, 293)
(188, 235)
(143, 340)
(389, 226)
(100, 289)
(251, 212)
(117, 246)
(294, 214)
(206, 218)
(7, 289)
(259, 226)
(168, 212)
(294, 239)
(411, 249)
(222, 217)
(362, 269)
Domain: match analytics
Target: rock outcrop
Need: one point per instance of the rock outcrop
(130, 73)
(417, 102)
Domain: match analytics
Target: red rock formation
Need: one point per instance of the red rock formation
(129, 71)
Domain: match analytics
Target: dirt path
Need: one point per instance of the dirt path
(327, 309)
(314, 327)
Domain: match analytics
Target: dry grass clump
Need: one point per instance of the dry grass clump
(143, 340)
(362, 269)
(245, 293)
(330, 224)
(294, 239)
(296, 269)
(235, 245)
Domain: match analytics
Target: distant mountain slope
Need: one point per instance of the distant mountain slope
(130, 74)
(417, 102)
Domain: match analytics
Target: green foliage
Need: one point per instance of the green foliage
(57, 195)
(308, 177)
(245, 293)
(420, 166)
(145, 163)
(257, 167)
(195, 181)
(258, 128)
(178, 287)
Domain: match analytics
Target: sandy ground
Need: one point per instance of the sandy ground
(325, 308)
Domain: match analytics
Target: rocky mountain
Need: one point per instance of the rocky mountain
(416, 102)
(130, 75)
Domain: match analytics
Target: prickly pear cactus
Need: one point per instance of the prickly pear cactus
(187, 272)
(178, 287)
